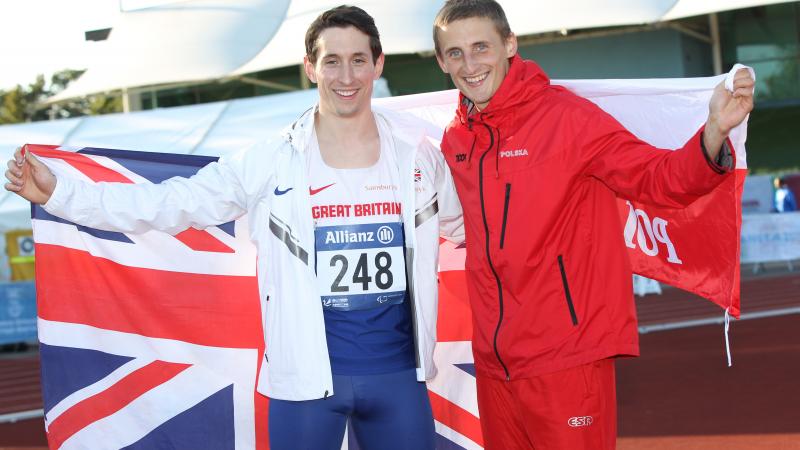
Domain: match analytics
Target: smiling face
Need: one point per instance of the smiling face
(475, 56)
(343, 71)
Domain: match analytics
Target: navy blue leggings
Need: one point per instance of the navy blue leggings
(386, 412)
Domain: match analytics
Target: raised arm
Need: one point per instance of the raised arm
(727, 110)
(215, 195)
(638, 171)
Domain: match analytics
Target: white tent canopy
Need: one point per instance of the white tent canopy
(197, 40)
(192, 40)
(689, 8)
(405, 27)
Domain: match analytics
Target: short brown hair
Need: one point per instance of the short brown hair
(454, 10)
(342, 17)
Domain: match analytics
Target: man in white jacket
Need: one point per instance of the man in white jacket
(345, 209)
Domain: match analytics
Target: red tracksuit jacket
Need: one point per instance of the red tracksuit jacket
(538, 172)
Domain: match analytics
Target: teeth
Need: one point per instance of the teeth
(345, 93)
(476, 79)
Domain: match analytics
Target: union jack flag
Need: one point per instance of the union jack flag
(154, 341)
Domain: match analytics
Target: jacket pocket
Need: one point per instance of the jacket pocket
(505, 215)
(567, 295)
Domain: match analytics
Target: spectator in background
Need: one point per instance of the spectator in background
(784, 197)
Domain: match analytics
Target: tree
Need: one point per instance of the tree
(19, 104)
(26, 104)
(12, 108)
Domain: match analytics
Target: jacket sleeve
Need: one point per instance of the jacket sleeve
(639, 171)
(215, 195)
(451, 219)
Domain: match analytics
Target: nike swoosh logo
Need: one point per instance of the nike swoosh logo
(317, 191)
(280, 192)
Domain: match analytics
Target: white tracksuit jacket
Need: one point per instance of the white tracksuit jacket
(296, 364)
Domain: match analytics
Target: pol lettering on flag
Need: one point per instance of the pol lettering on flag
(154, 341)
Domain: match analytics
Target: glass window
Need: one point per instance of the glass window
(768, 39)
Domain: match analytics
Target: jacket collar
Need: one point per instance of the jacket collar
(404, 129)
(524, 81)
(299, 132)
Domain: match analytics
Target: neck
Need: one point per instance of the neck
(332, 126)
(348, 142)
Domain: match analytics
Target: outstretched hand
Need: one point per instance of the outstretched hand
(727, 110)
(29, 178)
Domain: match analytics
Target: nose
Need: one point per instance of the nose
(470, 63)
(347, 74)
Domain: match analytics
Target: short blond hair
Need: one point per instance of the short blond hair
(454, 10)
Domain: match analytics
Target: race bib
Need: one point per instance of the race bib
(360, 266)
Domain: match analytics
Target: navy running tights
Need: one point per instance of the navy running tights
(385, 411)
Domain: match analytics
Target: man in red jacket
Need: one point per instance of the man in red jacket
(537, 170)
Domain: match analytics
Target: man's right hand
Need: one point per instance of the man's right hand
(29, 178)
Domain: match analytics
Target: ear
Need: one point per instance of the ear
(440, 61)
(379, 66)
(309, 68)
(511, 45)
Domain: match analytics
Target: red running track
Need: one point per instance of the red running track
(680, 394)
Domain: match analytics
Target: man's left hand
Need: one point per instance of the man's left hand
(727, 110)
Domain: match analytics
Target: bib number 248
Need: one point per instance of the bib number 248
(367, 270)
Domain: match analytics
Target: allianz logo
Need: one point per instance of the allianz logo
(384, 235)
(513, 153)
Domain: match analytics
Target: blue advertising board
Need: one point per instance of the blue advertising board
(17, 312)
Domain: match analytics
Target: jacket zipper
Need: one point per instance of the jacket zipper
(488, 253)
(566, 291)
(505, 215)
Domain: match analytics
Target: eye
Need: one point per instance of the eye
(359, 61)
(481, 47)
(330, 62)
(455, 53)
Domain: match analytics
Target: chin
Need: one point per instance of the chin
(347, 112)
(482, 101)
(478, 100)
(474, 97)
